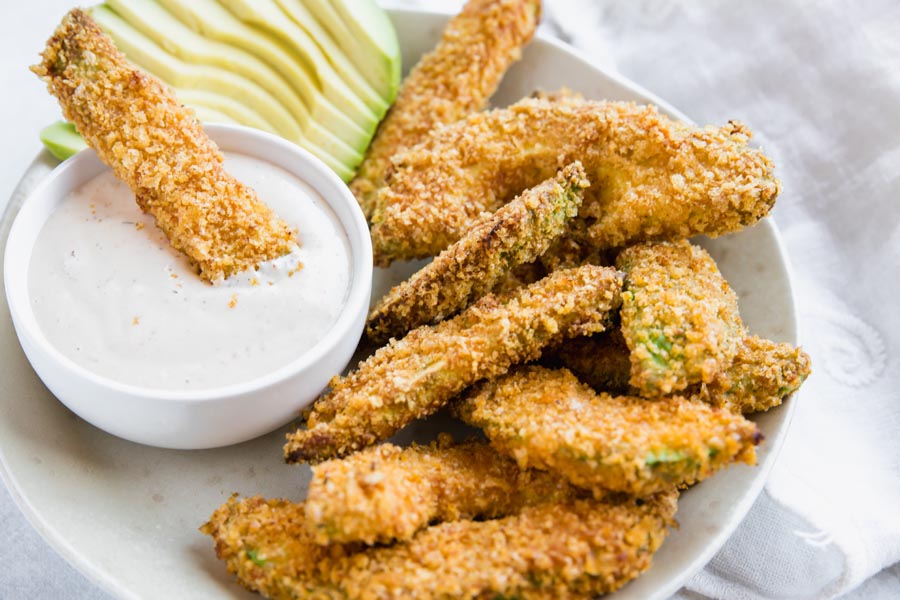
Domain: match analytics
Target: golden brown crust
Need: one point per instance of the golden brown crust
(516, 234)
(158, 148)
(413, 377)
(547, 419)
(762, 375)
(652, 177)
(680, 317)
(385, 493)
(575, 549)
(452, 81)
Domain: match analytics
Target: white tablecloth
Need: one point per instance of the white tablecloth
(819, 83)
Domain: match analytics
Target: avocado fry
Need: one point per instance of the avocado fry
(516, 234)
(413, 377)
(680, 317)
(386, 493)
(547, 419)
(158, 148)
(762, 375)
(572, 549)
(651, 177)
(452, 81)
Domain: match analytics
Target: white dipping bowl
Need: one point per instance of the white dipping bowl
(193, 419)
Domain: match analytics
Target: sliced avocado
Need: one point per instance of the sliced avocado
(214, 21)
(178, 39)
(145, 54)
(62, 140)
(211, 115)
(382, 71)
(370, 26)
(201, 100)
(327, 59)
(206, 104)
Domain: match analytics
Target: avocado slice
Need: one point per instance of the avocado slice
(318, 49)
(209, 104)
(381, 69)
(211, 115)
(214, 21)
(178, 39)
(369, 26)
(62, 140)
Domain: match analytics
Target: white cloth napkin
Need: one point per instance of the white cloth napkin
(819, 83)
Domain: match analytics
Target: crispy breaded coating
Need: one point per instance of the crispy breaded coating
(516, 234)
(762, 375)
(601, 361)
(450, 82)
(547, 419)
(413, 377)
(680, 317)
(158, 148)
(574, 549)
(652, 177)
(387, 493)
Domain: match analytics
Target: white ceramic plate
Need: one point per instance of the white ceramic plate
(127, 515)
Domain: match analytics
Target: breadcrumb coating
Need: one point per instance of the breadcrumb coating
(386, 493)
(652, 178)
(680, 317)
(516, 234)
(762, 375)
(158, 148)
(575, 549)
(413, 377)
(452, 81)
(547, 419)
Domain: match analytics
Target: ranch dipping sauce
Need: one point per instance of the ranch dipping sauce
(110, 293)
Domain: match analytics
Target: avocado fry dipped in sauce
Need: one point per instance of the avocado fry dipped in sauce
(151, 142)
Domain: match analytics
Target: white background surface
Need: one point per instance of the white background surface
(820, 85)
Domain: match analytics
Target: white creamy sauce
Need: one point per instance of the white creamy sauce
(111, 294)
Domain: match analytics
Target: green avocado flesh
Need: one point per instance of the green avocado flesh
(62, 140)
(307, 70)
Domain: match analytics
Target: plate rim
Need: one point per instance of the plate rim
(108, 584)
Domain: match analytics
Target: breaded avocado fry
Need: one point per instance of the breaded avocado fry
(387, 493)
(547, 419)
(158, 148)
(680, 317)
(452, 81)
(574, 549)
(413, 377)
(516, 234)
(651, 177)
(762, 375)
